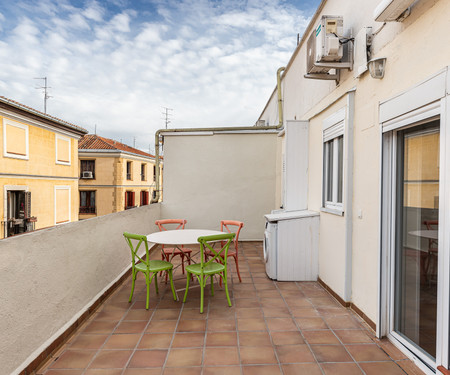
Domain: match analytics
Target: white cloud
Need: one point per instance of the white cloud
(214, 63)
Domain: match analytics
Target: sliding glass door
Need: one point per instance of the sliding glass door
(416, 250)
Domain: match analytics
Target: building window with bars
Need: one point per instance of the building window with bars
(129, 170)
(144, 197)
(143, 170)
(129, 200)
(87, 169)
(87, 202)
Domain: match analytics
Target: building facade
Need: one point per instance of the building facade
(377, 162)
(113, 176)
(38, 169)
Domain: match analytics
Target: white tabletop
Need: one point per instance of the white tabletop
(180, 236)
(426, 233)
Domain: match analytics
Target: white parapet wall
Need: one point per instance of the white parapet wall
(50, 277)
(221, 176)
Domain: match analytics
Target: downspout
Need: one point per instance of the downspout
(159, 132)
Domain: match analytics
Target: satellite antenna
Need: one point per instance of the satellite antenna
(45, 88)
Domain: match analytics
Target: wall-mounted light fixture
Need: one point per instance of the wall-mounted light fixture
(377, 67)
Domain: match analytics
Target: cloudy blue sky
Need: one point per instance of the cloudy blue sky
(116, 63)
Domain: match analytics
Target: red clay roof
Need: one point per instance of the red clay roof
(95, 142)
(41, 114)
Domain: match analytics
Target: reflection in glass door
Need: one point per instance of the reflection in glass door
(416, 250)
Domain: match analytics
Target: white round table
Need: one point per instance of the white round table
(180, 236)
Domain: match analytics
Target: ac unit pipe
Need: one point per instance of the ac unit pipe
(159, 133)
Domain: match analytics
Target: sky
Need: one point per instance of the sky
(113, 66)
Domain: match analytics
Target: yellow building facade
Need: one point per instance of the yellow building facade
(38, 169)
(113, 176)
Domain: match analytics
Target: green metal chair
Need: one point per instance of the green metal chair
(149, 268)
(216, 265)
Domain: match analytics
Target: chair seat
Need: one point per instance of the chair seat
(176, 251)
(208, 270)
(210, 253)
(155, 266)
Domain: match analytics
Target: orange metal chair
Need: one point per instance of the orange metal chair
(167, 253)
(431, 265)
(231, 226)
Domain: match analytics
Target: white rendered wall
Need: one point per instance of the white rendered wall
(415, 50)
(208, 178)
(50, 277)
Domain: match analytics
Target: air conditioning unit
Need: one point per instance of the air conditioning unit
(87, 174)
(328, 32)
(391, 10)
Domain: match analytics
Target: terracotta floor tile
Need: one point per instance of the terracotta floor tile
(251, 338)
(191, 326)
(218, 325)
(113, 315)
(73, 359)
(301, 369)
(221, 356)
(367, 352)
(155, 341)
(276, 312)
(221, 339)
(184, 357)
(103, 372)
(131, 326)
(281, 324)
(249, 313)
(257, 355)
(252, 324)
(223, 313)
(311, 323)
(64, 372)
(111, 359)
(100, 326)
(122, 341)
(161, 326)
(166, 314)
(325, 336)
(286, 338)
(304, 312)
(148, 358)
(261, 370)
(183, 371)
(194, 314)
(140, 314)
(188, 340)
(331, 353)
(341, 369)
(246, 303)
(141, 371)
(268, 293)
(385, 368)
(84, 341)
(272, 302)
(294, 354)
(298, 302)
(342, 322)
(353, 336)
(224, 370)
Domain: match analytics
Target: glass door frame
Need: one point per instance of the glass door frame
(439, 109)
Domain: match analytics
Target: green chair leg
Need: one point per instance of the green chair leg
(226, 289)
(175, 297)
(156, 282)
(188, 278)
(132, 286)
(211, 278)
(202, 292)
(147, 282)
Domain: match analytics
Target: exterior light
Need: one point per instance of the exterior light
(377, 67)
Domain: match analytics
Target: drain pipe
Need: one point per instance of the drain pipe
(159, 133)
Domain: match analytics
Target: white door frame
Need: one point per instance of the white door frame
(424, 102)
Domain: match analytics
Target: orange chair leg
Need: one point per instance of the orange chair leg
(237, 268)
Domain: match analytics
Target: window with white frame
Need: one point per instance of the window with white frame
(62, 146)
(15, 139)
(333, 161)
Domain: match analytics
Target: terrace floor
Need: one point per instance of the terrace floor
(272, 328)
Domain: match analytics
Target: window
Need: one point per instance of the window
(154, 173)
(144, 197)
(87, 169)
(143, 169)
(333, 161)
(62, 149)
(129, 199)
(15, 140)
(129, 169)
(87, 202)
(62, 204)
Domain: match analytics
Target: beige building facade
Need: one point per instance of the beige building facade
(378, 166)
(113, 176)
(38, 169)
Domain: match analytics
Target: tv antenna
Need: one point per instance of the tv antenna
(167, 115)
(45, 88)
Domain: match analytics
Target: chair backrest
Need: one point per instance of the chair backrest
(134, 247)
(232, 226)
(163, 224)
(206, 244)
(431, 224)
